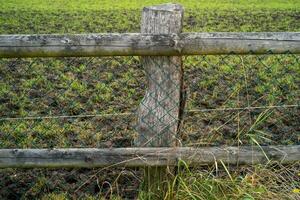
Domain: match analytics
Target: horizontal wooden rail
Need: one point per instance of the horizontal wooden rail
(137, 44)
(91, 157)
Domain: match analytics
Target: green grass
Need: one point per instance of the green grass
(64, 86)
(68, 87)
(58, 16)
(260, 182)
(93, 5)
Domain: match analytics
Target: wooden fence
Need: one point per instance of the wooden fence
(139, 157)
(160, 41)
(161, 44)
(142, 44)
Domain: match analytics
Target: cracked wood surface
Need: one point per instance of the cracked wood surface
(158, 113)
(147, 44)
(134, 157)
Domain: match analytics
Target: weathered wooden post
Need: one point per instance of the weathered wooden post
(160, 110)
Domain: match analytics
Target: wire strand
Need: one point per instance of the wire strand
(105, 115)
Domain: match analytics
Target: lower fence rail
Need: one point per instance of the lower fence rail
(135, 157)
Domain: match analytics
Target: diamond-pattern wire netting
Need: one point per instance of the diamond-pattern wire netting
(158, 112)
(69, 102)
(93, 102)
(237, 100)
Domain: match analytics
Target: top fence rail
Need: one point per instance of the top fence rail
(139, 44)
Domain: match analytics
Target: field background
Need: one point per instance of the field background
(72, 87)
(93, 5)
(124, 16)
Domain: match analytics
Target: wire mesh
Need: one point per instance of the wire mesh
(159, 110)
(242, 99)
(94, 102)
(68, 102)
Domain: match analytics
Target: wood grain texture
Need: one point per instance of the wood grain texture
(147, 44)
(159, 110)
(135, 157)
(158, 113)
